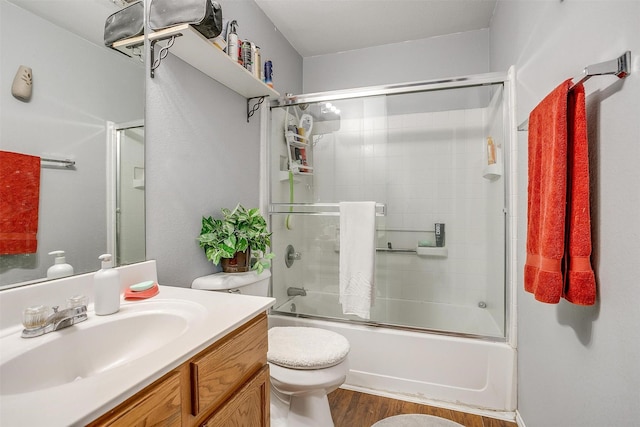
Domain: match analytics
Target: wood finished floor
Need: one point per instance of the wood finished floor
(354, 409)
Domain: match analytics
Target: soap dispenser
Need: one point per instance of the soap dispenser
(60, 268)
(107, 288)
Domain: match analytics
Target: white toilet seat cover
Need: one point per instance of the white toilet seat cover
(306, 348)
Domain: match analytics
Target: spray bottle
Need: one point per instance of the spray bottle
(232, 40)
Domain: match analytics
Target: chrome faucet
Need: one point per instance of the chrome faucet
(293, 291)
(57, 320)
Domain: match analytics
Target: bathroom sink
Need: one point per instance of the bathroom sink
(94, 347)
(75, 375)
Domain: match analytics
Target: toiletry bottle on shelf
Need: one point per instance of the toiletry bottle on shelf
(303, 152)
(232, 40)
(491, 151)
(257, 61)
(439, 228)
(245, 54)
(268, 73)
(107, 288)
(60, 268)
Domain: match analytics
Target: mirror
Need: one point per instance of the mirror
(81, 92)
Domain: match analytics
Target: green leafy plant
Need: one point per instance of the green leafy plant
(235, 232)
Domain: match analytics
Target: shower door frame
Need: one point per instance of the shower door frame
(114, 140)
(507, 80)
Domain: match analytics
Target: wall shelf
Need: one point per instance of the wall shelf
(193, 48)
(197, 51)
(127, 46)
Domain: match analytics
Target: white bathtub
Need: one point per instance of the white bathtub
(424, 367)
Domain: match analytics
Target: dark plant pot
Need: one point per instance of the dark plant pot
(240, 263)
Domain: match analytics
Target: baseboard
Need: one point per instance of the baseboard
(519, 419)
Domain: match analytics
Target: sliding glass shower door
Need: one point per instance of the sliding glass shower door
(433, 161)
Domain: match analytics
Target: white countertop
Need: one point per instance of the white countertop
(214, 314)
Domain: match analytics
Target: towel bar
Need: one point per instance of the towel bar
(59, 163)
(620, 67)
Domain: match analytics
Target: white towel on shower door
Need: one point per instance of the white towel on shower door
(357, 257)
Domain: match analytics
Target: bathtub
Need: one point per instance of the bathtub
(419, 366)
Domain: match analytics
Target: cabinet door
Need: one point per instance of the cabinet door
(217, 374)
(249, 406)
(158, 404)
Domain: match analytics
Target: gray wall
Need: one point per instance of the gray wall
(436, 57)
(201, 153)
(578, 366)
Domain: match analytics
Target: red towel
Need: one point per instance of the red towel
(580, 286)
(547, 195)
(19, 200)
(558, 263)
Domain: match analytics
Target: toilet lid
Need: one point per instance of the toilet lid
(306, 348)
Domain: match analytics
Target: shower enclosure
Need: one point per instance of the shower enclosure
(431, 155)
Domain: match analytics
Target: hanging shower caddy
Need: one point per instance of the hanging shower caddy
(299, 148)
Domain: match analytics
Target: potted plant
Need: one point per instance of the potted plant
(234, 239)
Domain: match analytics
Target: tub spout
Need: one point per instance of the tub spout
(293, 291)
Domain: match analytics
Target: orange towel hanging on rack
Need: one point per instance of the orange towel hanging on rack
(558, 218)
(580, 282)
(547, 190)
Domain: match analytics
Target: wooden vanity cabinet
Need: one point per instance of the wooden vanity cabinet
(226, 384)
(248, 407)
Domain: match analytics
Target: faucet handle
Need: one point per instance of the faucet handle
(35, 316)
(77, 301)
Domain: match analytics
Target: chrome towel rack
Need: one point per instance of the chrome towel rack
(620, 67)
(56, 163)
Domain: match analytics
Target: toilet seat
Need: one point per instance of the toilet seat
(306, 348)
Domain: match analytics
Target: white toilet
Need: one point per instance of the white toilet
(305, 363)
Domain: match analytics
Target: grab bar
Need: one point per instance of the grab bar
(327, 209)
(399, 250)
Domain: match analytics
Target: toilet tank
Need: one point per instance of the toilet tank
(249, 283)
